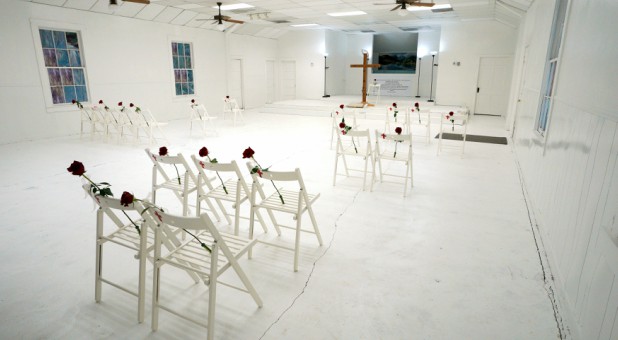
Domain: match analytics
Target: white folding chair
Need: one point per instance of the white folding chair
(125, 234)
(449, 124)
(149, 124)
(420, 120)
(337, 114)
(200, 115)
(172, 173)
(87, 118)
(224, 252)
(354, 143)
(398, 148)
(230, 188)
(237, 111)
(295, 201)
(396, 116)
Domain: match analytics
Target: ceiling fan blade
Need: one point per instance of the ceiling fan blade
(234, 21)
(145, 2)
(396, 8)
(422, 4)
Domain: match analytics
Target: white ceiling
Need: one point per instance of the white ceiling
(262, 19)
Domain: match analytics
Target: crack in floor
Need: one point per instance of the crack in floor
(312, 268)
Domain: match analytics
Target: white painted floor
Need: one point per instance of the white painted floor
(456, 259)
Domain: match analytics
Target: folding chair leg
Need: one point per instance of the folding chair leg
(262, 222)
(315, 224)
(141, 290)
(212, 291)
(98, 269)
(297, 241)
(156, 286)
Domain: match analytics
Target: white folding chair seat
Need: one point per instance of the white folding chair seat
(164, 176)
(296, 202)
(456, 124)
(354, 143)
(235, 185)
(208, 265)
(394, 148)
(200, 115)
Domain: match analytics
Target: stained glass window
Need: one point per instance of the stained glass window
(183, 68)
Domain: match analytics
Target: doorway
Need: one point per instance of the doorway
(235, 82)
(288, 80)
(493, 85)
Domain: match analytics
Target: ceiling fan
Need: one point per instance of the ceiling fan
(219, 19)
(115, 2)
(402, 4)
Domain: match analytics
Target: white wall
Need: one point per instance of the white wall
(354, 76)
(127, 60)
(467, 42)
(306, 48)
(571, 175)
(254, 53)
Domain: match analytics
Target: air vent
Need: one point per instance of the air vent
(279, 21)
(442, 10)
(416, 29)
(368, 31)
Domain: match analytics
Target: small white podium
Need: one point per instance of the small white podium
(374, 90)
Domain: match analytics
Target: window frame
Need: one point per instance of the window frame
(37, 25)
(173, 76)
(551, 69)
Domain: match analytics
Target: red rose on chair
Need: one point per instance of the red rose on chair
(131, 105)
(248, 153)
(342, 125)
(162, 151)
(203, 152)
(119, 103)
(100, 101)
(451, 113)
(383, 136)
(395, 105)
(341, 106)
(126, 198)
(76, 168)
(398, 130)
(193, 101)
(416, 105)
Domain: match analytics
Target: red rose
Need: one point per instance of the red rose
(341, 106)
(119, 103)
(162, 151)
(76, 168)
(73, 101)
(398, 130)
(448, 117)
(394, 105)
(100, 101)
(126, 198)
(203, 152)
(343, 132)
(342, 125)
(131, 105)
(248, 153)
(259, 172)
(383, 136)
(193, 101)
(416, 104)
(451, 113)
(227, 97)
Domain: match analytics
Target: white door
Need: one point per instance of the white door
(270, 81)
(288, 80)
(494, 82)
(235, 81)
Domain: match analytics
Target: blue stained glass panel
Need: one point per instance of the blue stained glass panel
(181, 49)
(49, 55)
(187, 50)
(183, 76)
(185, 88)
(78, 76)
(174, 48)
(47, 38)
(82, 93)
(67, 76)
(175, 58)
(69, 94)
(74, 59)
(59, 39)
(181, 62)
(177, 76)
(57, 94)
(72, 40)
(190, 75)
(54, 76)
(62, 58)
(190, 88)
(178, 89)
(187, 62)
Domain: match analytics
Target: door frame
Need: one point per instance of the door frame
(478, 73)
(241, 103)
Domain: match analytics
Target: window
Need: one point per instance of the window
(183, 68)
(551, 66)
(65, 66)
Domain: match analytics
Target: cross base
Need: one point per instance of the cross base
(359, 105)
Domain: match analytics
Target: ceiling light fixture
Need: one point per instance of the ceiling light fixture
(346, 14)
(417, 8)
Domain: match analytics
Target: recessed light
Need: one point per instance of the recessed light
(346, 14)
(417, 8)
(233, 7)
(303, 25)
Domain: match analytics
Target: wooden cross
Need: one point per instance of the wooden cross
(365, 66)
